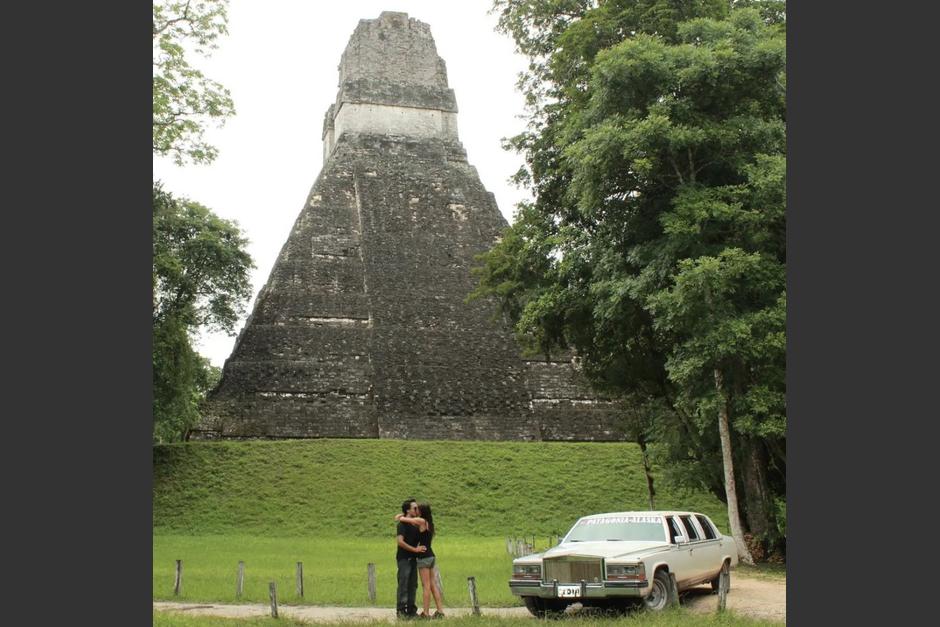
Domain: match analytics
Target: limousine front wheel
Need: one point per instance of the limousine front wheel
(661, 593)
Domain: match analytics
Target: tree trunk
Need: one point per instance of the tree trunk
(641, 441)
(724, 432)
(759, 505)
(714, 482)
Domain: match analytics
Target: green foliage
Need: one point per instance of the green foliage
(181, 379)
(781, 505)
(656, 246)
(200, 265)
(184, 99)
(200, 280)
(352, 488)
(562, 37)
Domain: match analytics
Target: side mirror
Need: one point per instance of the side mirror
(681, 540)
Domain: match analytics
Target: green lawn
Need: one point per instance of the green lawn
(335, 569)
(770, 572)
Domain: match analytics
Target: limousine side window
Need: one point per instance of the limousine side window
(706, 527)
(674, 529)
(693, 532)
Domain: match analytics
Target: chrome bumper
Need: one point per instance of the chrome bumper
(601, 590)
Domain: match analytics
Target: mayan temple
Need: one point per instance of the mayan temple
(362, 330)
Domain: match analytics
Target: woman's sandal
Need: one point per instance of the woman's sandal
(437, 615)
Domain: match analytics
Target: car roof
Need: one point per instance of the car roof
(645, 513)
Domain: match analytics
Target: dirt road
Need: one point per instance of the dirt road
(317, 614)
(764, 599)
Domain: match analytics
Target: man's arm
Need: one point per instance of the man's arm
(416, 521)
(408, 547)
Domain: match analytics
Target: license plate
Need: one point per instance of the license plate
(569, 591)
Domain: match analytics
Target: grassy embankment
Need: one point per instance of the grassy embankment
(329, 504)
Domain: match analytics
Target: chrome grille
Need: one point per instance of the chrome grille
(572, 570)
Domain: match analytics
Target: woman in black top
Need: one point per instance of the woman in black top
(425, 525)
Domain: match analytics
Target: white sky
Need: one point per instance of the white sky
(280, 63)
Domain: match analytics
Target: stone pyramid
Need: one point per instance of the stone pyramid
(362, 330)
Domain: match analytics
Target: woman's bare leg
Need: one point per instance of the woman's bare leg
(426, 586)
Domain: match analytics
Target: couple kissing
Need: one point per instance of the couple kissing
(415, 557)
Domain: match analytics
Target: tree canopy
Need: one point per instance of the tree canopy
(200, 280)
(655, 245)
(200, 265)
(184, 99)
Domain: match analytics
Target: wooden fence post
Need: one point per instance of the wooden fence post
(272, 592)
(178, 582)
(438, 582)
(474, 602)
(300, 579)
(240, 580)
(371, 569)
(724, 579)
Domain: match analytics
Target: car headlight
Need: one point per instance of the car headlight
(626, 572)
(527, 571)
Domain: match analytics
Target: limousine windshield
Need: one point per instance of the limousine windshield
(617, 528)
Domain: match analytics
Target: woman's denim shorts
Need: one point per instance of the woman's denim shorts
(425, 562)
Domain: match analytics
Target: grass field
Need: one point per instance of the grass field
(666, 618)
(335, 569)
(330, 503)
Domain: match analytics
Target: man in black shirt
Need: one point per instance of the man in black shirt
(408, 548)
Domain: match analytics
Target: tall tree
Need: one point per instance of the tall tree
(184, 99)
(656, 242)
(200, 280)
(200, 265)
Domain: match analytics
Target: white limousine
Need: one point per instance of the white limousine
(622, 558)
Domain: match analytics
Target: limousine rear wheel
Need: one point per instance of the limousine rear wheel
(725, 568)
(660, 595)
(544, 608)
